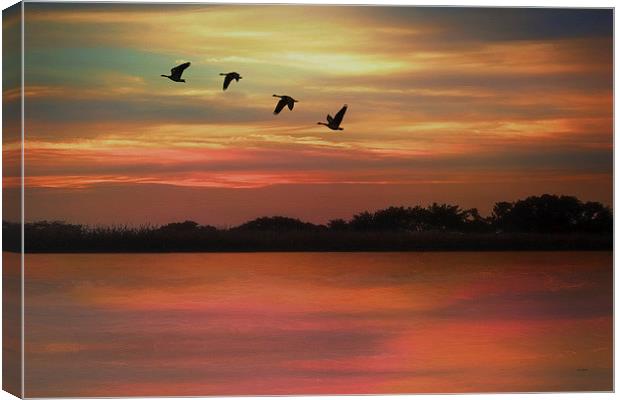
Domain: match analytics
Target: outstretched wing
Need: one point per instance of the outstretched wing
(291, 104)
(279, 106)
(329, 118)
(340, 115)
(227, 81)
(177, 71)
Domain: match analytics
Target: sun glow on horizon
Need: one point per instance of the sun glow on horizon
(431, 99)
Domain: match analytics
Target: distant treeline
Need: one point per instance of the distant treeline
(546, 222)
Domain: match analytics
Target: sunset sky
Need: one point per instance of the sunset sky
(466, 106)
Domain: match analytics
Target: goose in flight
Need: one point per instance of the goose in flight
(334, 123)
(284, 101)
(176, 72)
(229, 77)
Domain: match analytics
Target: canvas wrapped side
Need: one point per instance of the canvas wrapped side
(12, 216)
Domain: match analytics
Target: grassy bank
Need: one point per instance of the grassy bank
(546, 222)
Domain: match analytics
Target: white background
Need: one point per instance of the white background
(487, 3)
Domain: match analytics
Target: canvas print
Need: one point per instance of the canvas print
(228, 199)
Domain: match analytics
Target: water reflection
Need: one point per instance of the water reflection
(317, 323)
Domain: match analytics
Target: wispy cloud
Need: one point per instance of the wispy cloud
(502, 92)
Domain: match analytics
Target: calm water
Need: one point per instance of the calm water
(284, 323)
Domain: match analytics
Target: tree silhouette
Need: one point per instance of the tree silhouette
(442, 217)
(595, 217)
(552, 214)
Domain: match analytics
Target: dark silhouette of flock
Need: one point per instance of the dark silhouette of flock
(333, 123)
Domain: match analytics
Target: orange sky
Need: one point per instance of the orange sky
(467, 106)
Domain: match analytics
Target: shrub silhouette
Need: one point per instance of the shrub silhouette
(278, 224)
(187, 227)
(338, 225)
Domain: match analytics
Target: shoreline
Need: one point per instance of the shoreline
(319, 242)
(315, 251)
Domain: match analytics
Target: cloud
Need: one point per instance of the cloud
(446, 96)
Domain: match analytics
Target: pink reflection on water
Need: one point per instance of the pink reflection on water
(317, 323)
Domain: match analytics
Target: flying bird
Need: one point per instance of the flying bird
(229, 77)
(284, 101)
(334, 123)
(176, 72)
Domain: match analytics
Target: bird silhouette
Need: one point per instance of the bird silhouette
(334, 123)
(229, 77)
(284, 101)
(176, 72)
